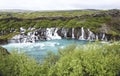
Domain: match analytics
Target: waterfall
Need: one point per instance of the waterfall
(64, 32)
(82, 34)
(96, 37)
(25, 40)
(65, 35)
(91, 36)
(56, 36)
(22, 30)
(73, 33)
(33, 38)
(18, 38)
(103, 36)
(51, 33)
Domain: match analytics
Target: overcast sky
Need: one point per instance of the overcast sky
(59, 4)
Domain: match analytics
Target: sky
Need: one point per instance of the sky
(59, 4)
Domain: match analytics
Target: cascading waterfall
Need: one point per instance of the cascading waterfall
(65, 35)
(96, 37)
(49, 33)
(22, 30)
(73, 33)
(82, 34)
(36, 37)
(33, 38)
(91, 36)
(64, 32)
(22, 38)
(103, 36)
(52, 34)
(25, 40)
(56, 36)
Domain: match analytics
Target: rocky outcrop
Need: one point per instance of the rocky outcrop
(3, 51)
(107, 30)
(3, 41)
(79, 33)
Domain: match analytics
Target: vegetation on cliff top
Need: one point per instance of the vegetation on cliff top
(95, 20)
(35, 14)
(92, 60)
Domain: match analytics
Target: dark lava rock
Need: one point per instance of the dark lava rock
(3, 51)
(3, 41)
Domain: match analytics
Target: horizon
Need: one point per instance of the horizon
(56, 5)
(23, 10)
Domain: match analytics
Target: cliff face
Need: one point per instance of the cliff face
(3, 41)
(100, 23)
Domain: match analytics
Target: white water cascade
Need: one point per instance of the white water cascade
(51, 34)
(73, 33)
(91, 35)
(64, 31)
(22, 30)
(104, 37)
(33, 37)
(97, 37)
(25, 40)
(82, 34)
(56, 36)
(22, 38)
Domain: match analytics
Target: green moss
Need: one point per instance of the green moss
(9, 36)
(93, 23)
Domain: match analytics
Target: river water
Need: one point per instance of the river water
(39, 49)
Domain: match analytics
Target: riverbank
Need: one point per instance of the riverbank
(90, 60)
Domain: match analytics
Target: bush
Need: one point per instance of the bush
(92, 60)
(75, 60)
(18, 65)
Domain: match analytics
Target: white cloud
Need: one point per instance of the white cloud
(59, 4)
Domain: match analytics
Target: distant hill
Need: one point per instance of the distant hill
(15, 10)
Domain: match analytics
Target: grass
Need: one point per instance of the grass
(88, 60)
(36, 14)
(82, 18)
(9, 36)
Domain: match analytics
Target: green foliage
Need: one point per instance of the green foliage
(75, 60)
(9, 36)
(92, 60)
(18, 65)
(3, 51)
(93, 23)
(45, 14)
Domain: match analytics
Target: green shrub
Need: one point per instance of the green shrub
(92, 60)
(75, 60)
(18, 65)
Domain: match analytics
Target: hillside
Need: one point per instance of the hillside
(99, 21)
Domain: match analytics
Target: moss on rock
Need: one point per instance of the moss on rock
(3, 51)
